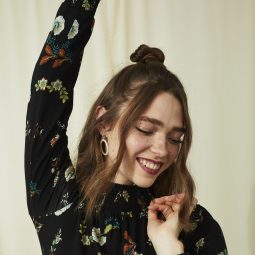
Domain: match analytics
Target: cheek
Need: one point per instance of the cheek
(174, 151)
(135, 144)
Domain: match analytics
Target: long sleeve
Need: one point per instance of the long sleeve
(50, 177)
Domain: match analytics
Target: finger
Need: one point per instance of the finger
(172, 198)
(153, 218)
(176, 207)
(152, 214)
(161, 208)
(177, 197)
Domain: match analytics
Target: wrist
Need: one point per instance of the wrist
(171, 248)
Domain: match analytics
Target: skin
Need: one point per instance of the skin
(153, 143)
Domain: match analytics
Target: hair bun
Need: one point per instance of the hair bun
(145, 54)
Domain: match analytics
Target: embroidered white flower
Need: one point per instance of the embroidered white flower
(57, 85)
(41, 84)
(97, 236)
(59, 25)
(69, 173)
(74, 30)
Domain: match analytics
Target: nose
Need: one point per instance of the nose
(159, 147)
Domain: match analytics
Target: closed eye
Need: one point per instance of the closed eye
(174, 141)
(145, 132)
(171, 140)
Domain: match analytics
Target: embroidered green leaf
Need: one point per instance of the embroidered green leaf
(108, 228)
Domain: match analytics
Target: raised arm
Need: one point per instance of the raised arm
(50, 179)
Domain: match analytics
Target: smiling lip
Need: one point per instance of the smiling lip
(147, 169)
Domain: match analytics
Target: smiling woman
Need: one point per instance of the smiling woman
(151, 147)
(129, 191)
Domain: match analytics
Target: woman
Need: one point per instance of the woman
(130, 191)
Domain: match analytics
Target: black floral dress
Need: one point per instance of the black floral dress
(52, 192)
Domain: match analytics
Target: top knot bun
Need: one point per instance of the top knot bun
(145, 54)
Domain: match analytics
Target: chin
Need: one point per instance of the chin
(144, 184)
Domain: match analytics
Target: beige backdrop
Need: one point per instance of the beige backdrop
(208, 43)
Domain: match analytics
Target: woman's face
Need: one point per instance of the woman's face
(153, 143)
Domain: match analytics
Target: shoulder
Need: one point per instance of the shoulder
(203, 220)
(205, 236)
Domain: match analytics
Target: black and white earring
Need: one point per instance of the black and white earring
(104, 145)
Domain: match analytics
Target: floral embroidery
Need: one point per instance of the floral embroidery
(56, 179)
(37, 225)
(58, 25)
(81, 206)
(98, 207)
(61, 125)
(96, 234)
(129, 245)
(74, 30)
(112, 223)
(33, 189)
(128, 214)
(62, 210)
(144, 213)
(69, 173)
(200, 243)
(123, 194)
(54, 140)
(55, 164)
(87, 5)
(55, 170)
(38, 131)
(225, 252)
(41, 84)
(53, 86)
(28, 129)
(53, 51)
(55, 242)
(64, 202)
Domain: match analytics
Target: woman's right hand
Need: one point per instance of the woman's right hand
(164, 233)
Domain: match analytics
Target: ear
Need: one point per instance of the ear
(100, 110)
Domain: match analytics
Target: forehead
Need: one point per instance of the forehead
(167, 109)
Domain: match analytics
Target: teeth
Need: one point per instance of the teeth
(149, 164)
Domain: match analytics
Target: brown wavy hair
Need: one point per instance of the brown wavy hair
(133, 89)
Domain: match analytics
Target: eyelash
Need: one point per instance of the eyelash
(147, 133)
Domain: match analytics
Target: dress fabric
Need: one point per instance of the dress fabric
(52, 191)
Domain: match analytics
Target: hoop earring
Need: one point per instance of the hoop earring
(104, 145)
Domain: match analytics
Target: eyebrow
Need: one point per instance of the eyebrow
(161, 124)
